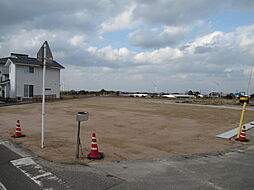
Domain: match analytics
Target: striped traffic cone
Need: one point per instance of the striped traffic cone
(94, 154)
(242, 137)
(18, 132)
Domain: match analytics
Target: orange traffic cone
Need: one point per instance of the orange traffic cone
(242, 135)
(18, 131)
(94, 154)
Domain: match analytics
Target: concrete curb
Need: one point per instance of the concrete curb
(233, 132)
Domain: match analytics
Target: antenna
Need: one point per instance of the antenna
(63, 86)
(155, 88)
(217, 85)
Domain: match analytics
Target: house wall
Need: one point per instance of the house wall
(12, 76)
(7, 91)
(1, 88)
(52, 81)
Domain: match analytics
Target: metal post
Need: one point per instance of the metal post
(43, 96)
(78, 141)
(241, 119)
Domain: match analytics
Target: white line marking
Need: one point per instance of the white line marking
(26, 162)
(214, 186)
(42, 175)
(2, 187)
(23, 162)
(2, 141)
(35, 172)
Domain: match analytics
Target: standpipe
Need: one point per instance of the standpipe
(241, 119)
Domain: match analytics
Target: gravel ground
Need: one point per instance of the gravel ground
(126, 128)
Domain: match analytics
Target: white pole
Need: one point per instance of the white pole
(43, 96)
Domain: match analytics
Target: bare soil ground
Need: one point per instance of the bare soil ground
(126, 128)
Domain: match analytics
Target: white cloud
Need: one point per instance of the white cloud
(83, 36)
(227, 70)
(210, 42)
(178, 12)
(162, 55)
(176, 67)
(158, 37)
(106, 69)
(245, 35)
(27, 40)
(180, 76)
(136, 77)
(124, 20)
(92, 49)
(77, 40)
(175, 29)
(108, 53)
(124, 52)
(111, 54)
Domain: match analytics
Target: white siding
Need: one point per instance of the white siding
(52, 81)
(7, 91)
(1, 77)
(12, 74)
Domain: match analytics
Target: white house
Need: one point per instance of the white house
(21, 76)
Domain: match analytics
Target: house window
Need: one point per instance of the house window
(28, 69)
(28, 91)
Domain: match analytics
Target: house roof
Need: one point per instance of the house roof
(3, 60)
(29, 61)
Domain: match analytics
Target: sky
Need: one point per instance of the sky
(137, 45)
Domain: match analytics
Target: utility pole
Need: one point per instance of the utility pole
(43, 96)
(44, 55)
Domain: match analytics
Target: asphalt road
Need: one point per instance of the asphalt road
(21, 169)
(10, 176)
(231, 169)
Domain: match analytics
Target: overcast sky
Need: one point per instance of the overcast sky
(137, 45)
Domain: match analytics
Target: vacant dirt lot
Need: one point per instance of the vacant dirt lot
(126, 128)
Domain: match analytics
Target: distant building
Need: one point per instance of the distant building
(21, 77)
(174, 95)
(215, 94)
